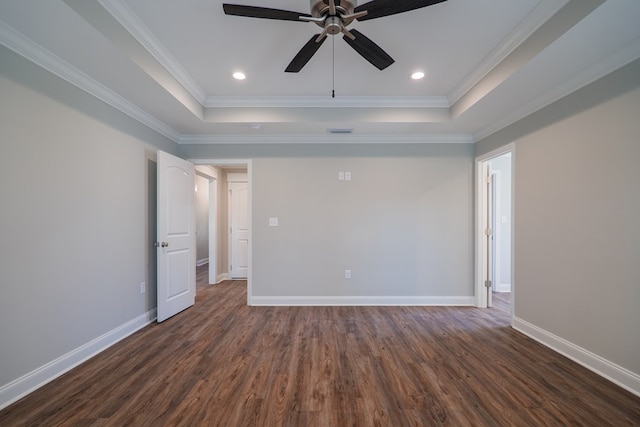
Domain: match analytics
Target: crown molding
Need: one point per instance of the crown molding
(327, 102)
(122, 13)
(533, 21)
(35, 53)
(328, 139)
(628, 54)
(127, 18)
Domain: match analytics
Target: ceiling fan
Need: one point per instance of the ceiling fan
(334, 16)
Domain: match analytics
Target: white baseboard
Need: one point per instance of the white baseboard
(609, 370)
(222, 277)
(363, 300)
(202, 262)
(503, 287)
(15, 390)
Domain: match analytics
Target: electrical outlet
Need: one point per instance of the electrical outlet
(143, 287)
(347, 176)
(347, 274)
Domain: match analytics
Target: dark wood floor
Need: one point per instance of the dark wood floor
(221, 363)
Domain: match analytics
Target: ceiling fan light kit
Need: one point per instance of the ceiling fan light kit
(334, 16)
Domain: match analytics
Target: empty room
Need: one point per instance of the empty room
(319, 213)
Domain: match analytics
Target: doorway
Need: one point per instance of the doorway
(494, 227)
(207, 179)
(219, 239)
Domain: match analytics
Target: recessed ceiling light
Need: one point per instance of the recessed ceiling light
(239, 76)
(255, 126)
(417, 75)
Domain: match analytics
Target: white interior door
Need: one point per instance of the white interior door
(494, 231)
(176, 236)
(238, 230)
(489, 233)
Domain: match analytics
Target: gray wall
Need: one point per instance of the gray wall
(577, 211)
(403, 225)
(74, 178)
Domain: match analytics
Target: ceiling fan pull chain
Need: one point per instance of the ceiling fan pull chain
(333, 67)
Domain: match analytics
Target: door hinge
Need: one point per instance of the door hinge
(488, 232)
(487, 283)
(487, 179)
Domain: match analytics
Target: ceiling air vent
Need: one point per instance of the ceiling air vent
(340, 131)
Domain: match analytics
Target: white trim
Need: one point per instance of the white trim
(222, 277)
(134, 25)
(326, 102)
(533, 21)
(211, 174)
(497, 227)
(617, 374)
(228, 163)
(35, 379)
(328, 139)
(35, 53)
(362, 301)
(503, 287)
(625, 56)
(236, 177)
(480, 219)
(202, 262)
(248, 164)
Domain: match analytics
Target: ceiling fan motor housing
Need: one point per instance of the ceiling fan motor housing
(320, 8)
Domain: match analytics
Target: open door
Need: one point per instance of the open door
(176, 244)
(489, 233)
(494, 225)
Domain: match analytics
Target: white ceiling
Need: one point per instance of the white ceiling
(168, 64)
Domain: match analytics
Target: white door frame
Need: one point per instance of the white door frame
(481, 220)
(213, 178)
(238, 163)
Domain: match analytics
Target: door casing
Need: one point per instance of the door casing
(481, 255)
(245, 164)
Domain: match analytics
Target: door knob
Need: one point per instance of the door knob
(164, 244)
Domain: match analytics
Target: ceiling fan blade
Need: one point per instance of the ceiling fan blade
(262, 12)
(369, 50)
(380, 8)
(305, 54)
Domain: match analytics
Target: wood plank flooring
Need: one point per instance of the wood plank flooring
(221, 363)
